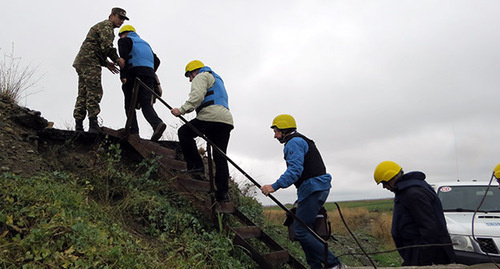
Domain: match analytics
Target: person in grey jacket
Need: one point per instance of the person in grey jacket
(209, 98)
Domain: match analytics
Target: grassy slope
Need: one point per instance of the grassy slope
(117, 220)
(107, 216)
(72, 205)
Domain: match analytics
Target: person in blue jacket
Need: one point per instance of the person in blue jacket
(142, 63)
(418, 218)
(306, 170)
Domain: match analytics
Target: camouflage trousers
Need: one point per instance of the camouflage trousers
(89, 92)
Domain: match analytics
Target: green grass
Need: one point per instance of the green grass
(116, 214)
(111, 216)
(378, 205)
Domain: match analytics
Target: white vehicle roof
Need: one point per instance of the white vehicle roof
(438, 184)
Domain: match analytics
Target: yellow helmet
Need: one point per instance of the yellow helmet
(385, 171)
(193, 65)
(497, 171)
(284, 121)
(126, 28)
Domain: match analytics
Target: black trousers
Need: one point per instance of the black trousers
(216, 132)
(144, 99)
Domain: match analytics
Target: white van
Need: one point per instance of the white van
(474, 231)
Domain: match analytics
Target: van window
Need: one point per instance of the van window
(468, 198)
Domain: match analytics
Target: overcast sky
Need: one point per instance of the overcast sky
(416, 82)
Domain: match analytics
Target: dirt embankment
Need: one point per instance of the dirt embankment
(19, 140)
(28, 147)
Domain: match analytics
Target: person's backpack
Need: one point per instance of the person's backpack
(322, 225)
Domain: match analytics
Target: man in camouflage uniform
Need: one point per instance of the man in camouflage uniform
(94, 53)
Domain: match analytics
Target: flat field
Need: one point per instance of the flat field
(369, 222)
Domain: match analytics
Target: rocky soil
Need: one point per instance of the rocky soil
(19, 141)
(29, 146)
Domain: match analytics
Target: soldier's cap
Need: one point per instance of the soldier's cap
(120, 12)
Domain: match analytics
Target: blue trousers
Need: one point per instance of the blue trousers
(307, 210)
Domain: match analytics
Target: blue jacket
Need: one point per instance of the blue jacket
(295, 151)
(217, 94)
(126, 46)
(141, 53)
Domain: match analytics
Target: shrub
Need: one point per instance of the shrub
(15, 79)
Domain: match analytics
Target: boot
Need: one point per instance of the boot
(79, 125)
(158, 131)
(94, 126)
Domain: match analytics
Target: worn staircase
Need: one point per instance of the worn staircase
(198, 191)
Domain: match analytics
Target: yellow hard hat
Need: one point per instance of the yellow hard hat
(385, 171)
(284, 121)
(496, 171)
(193, 65)
(126, 28)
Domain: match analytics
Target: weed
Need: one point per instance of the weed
(15, 80)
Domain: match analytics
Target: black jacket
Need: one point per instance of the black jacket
(418, 219)
(313, 163)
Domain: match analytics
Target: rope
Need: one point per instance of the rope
(204, 137)
(354, 237)
(396, 249)
(474, 218)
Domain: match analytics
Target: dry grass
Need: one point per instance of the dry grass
(15, 79)
(274, 216)
(355, 218)
(381, 228)
(358, 219)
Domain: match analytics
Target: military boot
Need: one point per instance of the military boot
(79, 125)
(94, 126)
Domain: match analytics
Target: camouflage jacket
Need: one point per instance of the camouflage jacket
(98, 46)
